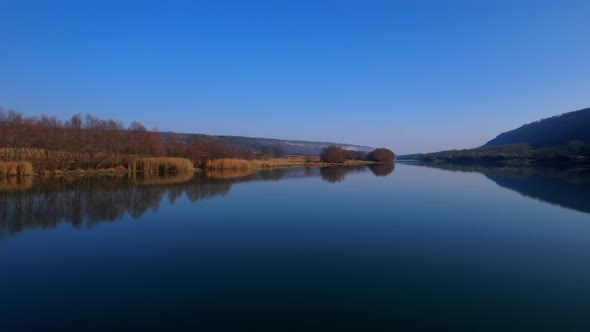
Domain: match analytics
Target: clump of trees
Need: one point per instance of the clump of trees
(337, 154)
(332, 154)
(381, 155)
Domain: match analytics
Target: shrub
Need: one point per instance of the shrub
(381, 155)
(332, 154)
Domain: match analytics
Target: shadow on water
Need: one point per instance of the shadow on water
(84, 201)
(565, 187)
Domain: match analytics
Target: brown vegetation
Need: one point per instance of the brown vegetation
(15, 169)
(229, 163)
(89, 143)
(337, 154)
(86, 143)
(161, 165)
(381, 155)
(332, 154)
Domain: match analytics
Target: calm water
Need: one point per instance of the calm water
(415, 248)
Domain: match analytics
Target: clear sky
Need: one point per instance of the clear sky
(414, 76)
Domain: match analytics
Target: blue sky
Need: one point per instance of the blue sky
(414, 76)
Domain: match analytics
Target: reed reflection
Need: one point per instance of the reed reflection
(84, 201)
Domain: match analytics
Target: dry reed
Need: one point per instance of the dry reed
(15, 169)
(229, 163)
(161, 165)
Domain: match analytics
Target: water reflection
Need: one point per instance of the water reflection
(15, 183)
(338, 173)
(565, 187)
(84, 201)
(382, 169)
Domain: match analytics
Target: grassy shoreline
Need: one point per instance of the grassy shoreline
(155, 166)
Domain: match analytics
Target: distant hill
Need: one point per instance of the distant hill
(292, 147)
(560, 140)
(555, 131)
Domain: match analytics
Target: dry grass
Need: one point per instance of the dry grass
(161, 165)
(302, 161)
(229, 164)
(290, 161)
(15, 169)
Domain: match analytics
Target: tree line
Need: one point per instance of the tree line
(91, 143)
(337, 154)
(88, 142)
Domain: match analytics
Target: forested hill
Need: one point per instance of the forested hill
(555, 131)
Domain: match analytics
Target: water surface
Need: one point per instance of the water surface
(359, 249)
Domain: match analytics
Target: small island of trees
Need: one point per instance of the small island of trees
(337, 155)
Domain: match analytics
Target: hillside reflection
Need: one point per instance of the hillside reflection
(565, 187)
(84, 201)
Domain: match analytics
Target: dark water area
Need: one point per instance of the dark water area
(385, 248)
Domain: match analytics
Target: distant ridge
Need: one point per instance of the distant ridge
(292, 147)
(562, 141)
(555, 131)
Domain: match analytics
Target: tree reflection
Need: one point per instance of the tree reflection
(382, 169)
(335, 174)
(83, 201)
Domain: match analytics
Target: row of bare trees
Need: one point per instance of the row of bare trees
(87, 142)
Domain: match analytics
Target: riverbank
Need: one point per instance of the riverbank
(167, 165)
(299, 161)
